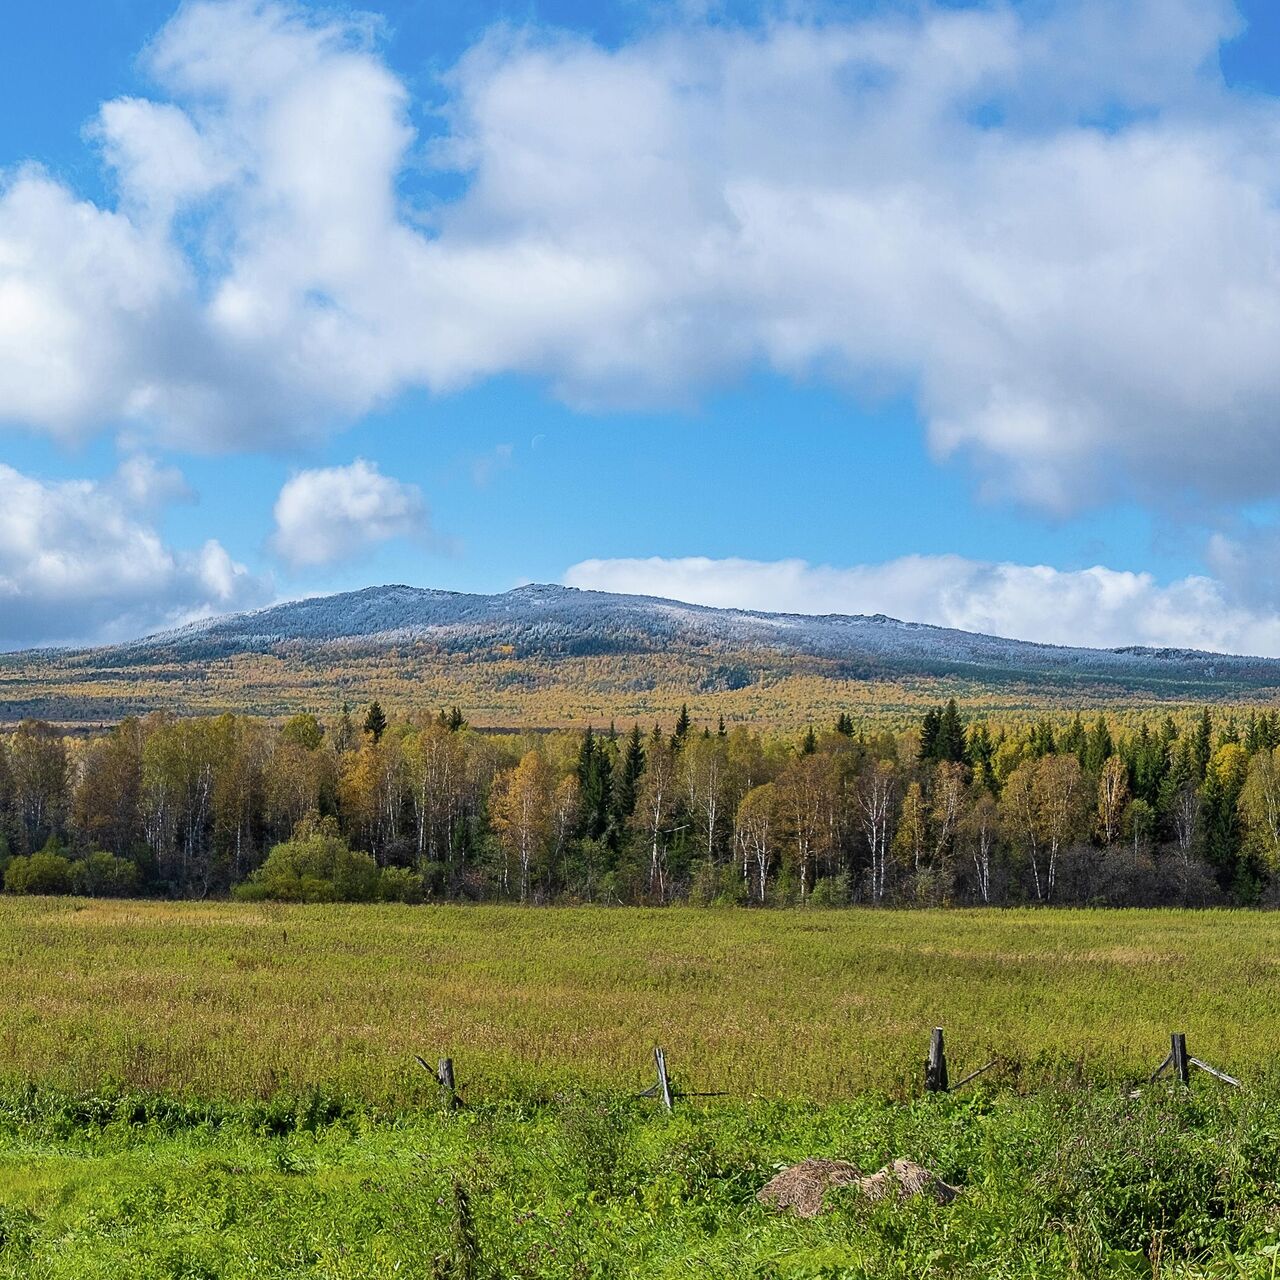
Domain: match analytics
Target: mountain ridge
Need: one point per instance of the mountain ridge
(507, 654)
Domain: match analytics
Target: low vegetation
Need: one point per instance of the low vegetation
(242, 1000)
(229, 1090)
(114, 1186)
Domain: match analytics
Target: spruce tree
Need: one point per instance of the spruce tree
(1074, 740)
(929, 727)
(949, 744)
(595, 777)
(1041, 740)
(682, 727)
(624, 794)
(1202, 744)
(375, 721)
(1098, 746)
(980, 752)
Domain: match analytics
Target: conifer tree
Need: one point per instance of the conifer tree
(1098, 746)
(929, 727)
(375, 721)
(1074, 740)
(949, 744)
(595, 776)
(624, 794)
(1202, 744)
(683, 725)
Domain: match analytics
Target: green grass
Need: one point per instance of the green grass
(241, 1001)
(1054, 1185)
(200, 1091)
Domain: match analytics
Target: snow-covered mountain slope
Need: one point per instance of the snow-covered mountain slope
(552, 620)
(543, 655)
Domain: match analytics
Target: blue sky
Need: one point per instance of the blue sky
(958, 312)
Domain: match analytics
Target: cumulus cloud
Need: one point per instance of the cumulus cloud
(146, 483)
(1098, 607)
(335, 513)
(1053, 225)
(78, 564)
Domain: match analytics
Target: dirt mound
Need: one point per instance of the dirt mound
(803, 1187)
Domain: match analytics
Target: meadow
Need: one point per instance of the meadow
(239, 1000)
(192, 1091)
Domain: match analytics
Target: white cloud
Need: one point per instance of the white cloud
(144, 483)
(77, 564)
(336, 513)
(1097, 607)
(1053, 225)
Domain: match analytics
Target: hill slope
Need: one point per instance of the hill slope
(542, 655)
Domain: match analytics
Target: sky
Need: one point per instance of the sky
(967, 313)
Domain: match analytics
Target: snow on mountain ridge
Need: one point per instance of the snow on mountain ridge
(557, 619)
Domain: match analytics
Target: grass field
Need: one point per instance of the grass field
(228, 1092)
(241, 1001)
(1055, 1184)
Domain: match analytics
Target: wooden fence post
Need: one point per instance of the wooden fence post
(1178, 1052)
(935, 1069)
(444, 1073)
(664, 1084)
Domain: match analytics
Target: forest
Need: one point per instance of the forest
(370, 806)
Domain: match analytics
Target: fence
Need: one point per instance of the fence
(936, 1074)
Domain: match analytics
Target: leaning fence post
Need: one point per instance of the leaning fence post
(935, 1069)
(664, 1084)
(1178, 1052)
(444, 1073)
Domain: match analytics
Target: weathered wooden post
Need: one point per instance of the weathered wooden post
(444, 1073)
(935, 1068)
(664, 1084)
(1178, 1052)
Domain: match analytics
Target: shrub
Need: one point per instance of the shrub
(103, 875)
(400, 884)
(315, 868)
(40, 873)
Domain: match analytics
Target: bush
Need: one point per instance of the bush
(316, 868)
(831, 891)
(103, 875)
(400, 884)
(40, 873)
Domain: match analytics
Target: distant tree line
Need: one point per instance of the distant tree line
(424, 808)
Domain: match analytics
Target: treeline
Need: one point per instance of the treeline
(424, 808)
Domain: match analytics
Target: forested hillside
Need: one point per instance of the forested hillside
(424, 807)
(544, 656)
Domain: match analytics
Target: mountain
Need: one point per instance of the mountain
(545, 655)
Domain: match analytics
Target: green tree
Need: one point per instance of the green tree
(595, 782)
(1219, 802)
(683, 725)
(375, 721)
(1098, 747)
(303, 730)
(627, 789)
